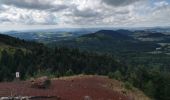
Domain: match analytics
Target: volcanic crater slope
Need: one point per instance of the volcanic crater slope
(75, 88)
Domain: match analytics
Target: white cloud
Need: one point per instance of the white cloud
(85, 12)
(35, 4)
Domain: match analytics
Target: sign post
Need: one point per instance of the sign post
(17, 74)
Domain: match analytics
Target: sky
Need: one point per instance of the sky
(44, 14)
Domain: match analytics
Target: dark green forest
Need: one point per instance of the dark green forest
(30, 59)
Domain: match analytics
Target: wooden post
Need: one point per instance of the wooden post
(18, 83)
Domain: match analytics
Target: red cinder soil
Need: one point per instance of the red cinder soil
(73, 88)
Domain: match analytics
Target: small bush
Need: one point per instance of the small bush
(128, 86)
(111, 75)
(116, 75)
(69, 73)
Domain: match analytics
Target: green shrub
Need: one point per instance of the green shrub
(69, 73)
(128, 86)
(110, 75)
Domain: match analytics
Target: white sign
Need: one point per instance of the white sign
(17, 74)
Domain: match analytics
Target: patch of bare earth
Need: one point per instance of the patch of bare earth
(71, 88)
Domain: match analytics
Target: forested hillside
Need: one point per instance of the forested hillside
(60, 61)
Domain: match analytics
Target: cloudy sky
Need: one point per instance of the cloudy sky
(30, 14)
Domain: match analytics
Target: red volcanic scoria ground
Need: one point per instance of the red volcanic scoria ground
(77, 88)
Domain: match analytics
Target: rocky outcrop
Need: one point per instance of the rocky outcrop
(41, 82)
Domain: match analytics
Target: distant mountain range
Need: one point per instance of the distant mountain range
(108, 41)
(120, 40)
(47, 36)
(160, 29)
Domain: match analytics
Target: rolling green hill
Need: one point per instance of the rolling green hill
(109, 41)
